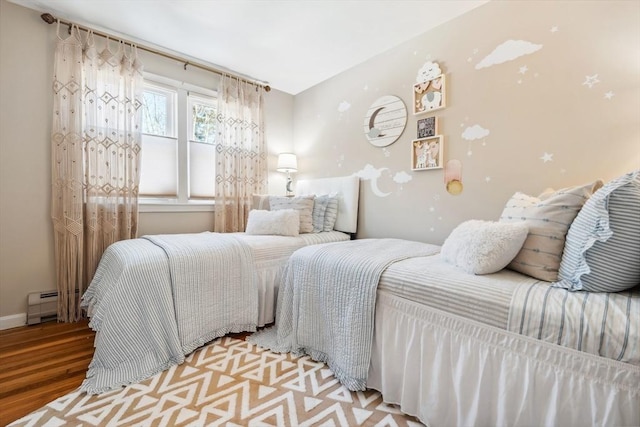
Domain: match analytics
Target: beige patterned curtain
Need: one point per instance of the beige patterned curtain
(241, 152)
(96, 158)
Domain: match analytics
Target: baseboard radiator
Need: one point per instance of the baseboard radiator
(42, 307)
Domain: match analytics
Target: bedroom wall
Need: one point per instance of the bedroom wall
(26, 241)
(557, 106)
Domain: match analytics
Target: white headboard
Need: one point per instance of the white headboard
(348, 190)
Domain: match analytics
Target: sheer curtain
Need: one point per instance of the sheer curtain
(241, 153)
(95, 156)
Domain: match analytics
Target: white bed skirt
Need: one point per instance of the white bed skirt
(450, 371)
(268, 278)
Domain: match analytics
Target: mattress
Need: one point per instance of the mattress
(436, 284)
(603, 324)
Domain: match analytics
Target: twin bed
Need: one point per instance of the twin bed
(155, 299)
(449, 347)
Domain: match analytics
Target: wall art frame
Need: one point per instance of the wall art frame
(427, 153)
(427, 127)
(429, 95)
(385, 120)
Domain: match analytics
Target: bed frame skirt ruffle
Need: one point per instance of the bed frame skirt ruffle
(447, 370)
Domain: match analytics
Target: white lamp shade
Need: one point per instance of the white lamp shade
(287, 162)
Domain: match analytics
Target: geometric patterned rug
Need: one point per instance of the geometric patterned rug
(229, 382)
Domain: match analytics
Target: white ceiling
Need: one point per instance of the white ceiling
(291, 44)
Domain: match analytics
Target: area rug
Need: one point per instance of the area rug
(229, 382)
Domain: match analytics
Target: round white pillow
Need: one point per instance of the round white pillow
(483, 247)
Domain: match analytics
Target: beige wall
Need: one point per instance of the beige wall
(547, 109)
(543, 108)
(26, 69)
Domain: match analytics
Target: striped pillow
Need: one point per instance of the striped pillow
(319, 209)
(260, 202)
(303, 204)
(602, 253)
(548, 218)
(331, 214)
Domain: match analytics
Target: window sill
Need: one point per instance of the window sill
(169, 205)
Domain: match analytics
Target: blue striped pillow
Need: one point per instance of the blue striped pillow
(319, 208)
(602, 251)
(331, 214)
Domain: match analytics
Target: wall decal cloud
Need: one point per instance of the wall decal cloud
(402, 177)
(343, 106)
(475, 132)
(508, 51)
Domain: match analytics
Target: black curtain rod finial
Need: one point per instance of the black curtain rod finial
(48, 18)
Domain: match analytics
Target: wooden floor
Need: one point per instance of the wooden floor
(40, 363)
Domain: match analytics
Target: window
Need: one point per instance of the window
(178, 152)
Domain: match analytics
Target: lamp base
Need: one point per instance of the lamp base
(289, 192)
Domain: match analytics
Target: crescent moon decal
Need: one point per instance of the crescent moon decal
(374, 185)
(372, 123)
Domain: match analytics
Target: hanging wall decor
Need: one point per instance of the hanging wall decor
(427, 153)
(427, 127)
(430, 89)
(385, 120)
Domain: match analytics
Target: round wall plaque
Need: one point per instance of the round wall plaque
(385, 120)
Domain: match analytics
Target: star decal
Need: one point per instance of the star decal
(523, 69)
(487, 179)
(554, 29)
(609, 95)
(590, 81)
(547, 157)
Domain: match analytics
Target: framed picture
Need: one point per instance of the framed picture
(427, 127)
(429, 95)
(427, 153)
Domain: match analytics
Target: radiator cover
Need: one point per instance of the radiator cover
(42, 307)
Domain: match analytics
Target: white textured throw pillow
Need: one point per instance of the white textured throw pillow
(483, 247)
(284, 222)
(303, 204)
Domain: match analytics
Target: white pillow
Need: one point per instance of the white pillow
(303, 204)
(483, 247)
(283, 222)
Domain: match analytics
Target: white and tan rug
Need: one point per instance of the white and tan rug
(229, 382)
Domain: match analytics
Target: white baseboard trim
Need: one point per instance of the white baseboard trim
(13, 321)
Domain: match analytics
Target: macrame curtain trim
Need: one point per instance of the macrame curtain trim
(95, 158)
(241, 152)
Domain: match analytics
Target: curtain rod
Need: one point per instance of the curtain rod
(50, 19)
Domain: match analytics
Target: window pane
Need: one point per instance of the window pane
(202, 174)
(159, 167)
(158, 112)
(203, 120)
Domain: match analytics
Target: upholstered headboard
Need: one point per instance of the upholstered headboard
(348, 190)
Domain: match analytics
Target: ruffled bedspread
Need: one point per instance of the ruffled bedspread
(155, 299)
(326, 303)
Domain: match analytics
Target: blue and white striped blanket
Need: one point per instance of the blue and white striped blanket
(604, 324)
(327, 300)
(155, 299)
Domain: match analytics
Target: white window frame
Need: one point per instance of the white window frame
(182, 130)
